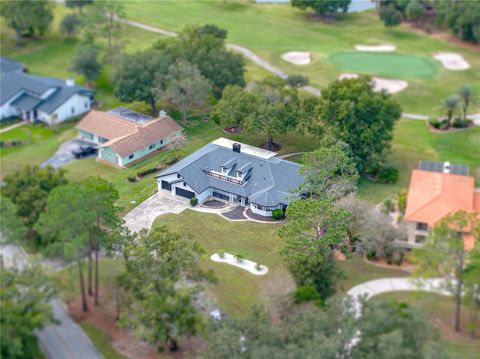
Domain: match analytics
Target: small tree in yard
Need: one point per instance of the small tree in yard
(390, 16)
(414, 10)
(186, 87)
(86, 63)
(444, 254)
(323, 7)
(471, 278)
(177, 141)
(450, 105)
(70, 24)
(297, 80)
(234, 105)
(466, 96)
(13, 228)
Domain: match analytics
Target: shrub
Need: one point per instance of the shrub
(389, 261)
(306, 293)
(171, 162)
(221, 254)
(147, 172)
(402, 200)
(239, 258)
(2, 144)
(434, 122)
(388, 251)
(460, 123)
(132, 179)
(277, 213)
(388, 175)
(389, 205)
(258, 267)
(193, 201)
(372, 254)
(443, 125)
(297, 80)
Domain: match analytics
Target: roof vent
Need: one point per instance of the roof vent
(446, 167)
(162, 113)
(236, 147)
(70, 81)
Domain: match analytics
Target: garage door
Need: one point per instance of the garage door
(166, 185)
(184, 193)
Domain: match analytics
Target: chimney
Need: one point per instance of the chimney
(162, 113)
(70, 81)
(446, 167)
(236, 147)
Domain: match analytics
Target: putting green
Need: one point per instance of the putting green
(384, 64)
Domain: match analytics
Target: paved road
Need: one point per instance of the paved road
(145, 213)
(274, 70)
(64, 153)
(64, 341)
(379, 286)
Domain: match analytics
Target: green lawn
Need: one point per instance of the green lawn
(272, 29)
(440, 311)
(237, 289)
(385, 64)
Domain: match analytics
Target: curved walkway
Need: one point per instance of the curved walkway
(386, 285)
(274, 70)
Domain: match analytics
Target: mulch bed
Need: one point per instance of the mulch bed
(233, 129)
(258, 217)
(235, 214)
(275, 147)
(213, 203)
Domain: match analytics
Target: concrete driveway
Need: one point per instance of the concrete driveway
(160, 203)
(64, 153)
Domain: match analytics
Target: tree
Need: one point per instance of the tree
(309, 332)
(361, 118)
(186, 87)
(313, 231)
(86, 63)
(234, 105)
(297, 80)
(450, 105)
(466, 96)
(323, 7)
(414, 10)
(139, 76)
(78, 4)
(328, 172)
(390, 16)
(67, 226)
(29, 188)
(24, 298)
(461, 17)
(27, 18)
(104, 19)
(275, 111)
(102, 198)
(471, 278)
(158, 264)
(12, 226)
(443, 254)
(70, 24)
(176, 142)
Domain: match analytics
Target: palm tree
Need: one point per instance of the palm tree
(450, 105)
(465, 94)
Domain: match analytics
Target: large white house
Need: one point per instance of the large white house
(234, 172)
(38, 98)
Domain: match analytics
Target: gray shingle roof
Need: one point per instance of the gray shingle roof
(26, 102)
(8, 65)
(269, 181)
(14, 83)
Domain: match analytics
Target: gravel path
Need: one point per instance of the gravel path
(274, 70)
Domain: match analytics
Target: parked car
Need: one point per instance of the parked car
(84, 151)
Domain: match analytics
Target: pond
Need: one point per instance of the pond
(355, 5)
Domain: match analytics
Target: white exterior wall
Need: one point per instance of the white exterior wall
(204, 195)
(171, 178)
(9, 111)
(266, 213)
(64, 112)
(412, 232)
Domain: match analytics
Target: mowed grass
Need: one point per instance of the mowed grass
(237, 290)
(273, 29)
(385, 64)
(440, 310)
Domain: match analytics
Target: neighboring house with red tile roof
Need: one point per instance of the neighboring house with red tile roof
(432, 196)
(124, 136)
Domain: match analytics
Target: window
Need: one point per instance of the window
(161, 142)
(73, 110)
(420, 239)
(184, 184)
(151, 146)
(422, 226)
(86, 104)
(178, 176)
(130, 157)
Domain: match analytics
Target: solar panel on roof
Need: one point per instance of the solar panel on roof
(440, 166)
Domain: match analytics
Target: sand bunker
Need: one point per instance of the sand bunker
(452, 61)
(377, 48)
(379, 83)
(297, 57)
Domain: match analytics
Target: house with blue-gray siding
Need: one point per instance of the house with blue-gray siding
(124, 136)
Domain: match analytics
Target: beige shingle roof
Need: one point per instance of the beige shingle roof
(106, 125)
